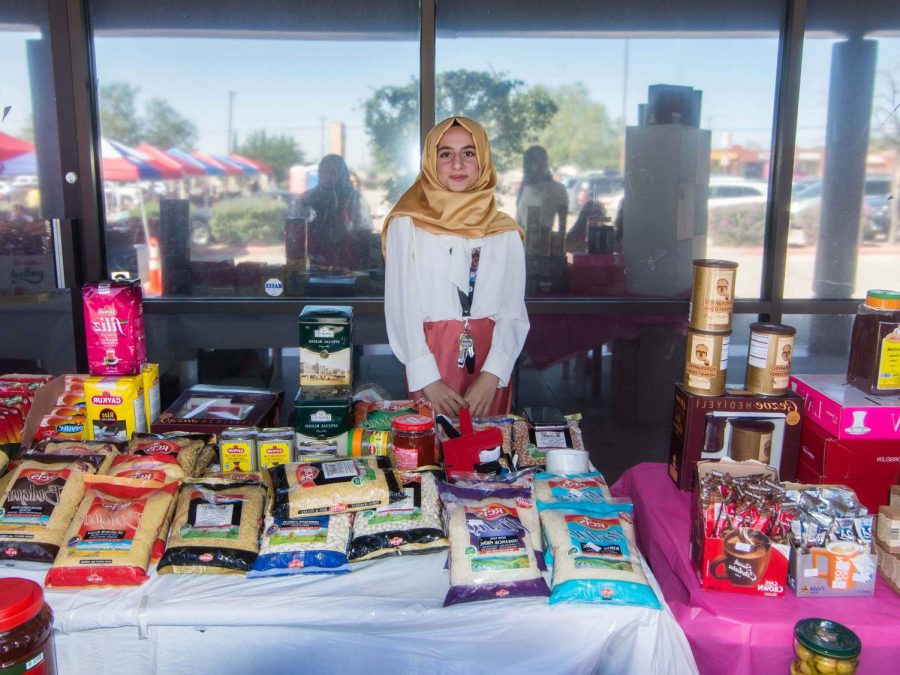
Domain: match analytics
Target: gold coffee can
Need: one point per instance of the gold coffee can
(769, 358)
(712, 299)
(751, 439)
(706, 362)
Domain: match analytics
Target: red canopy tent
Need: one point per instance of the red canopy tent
(10, 147)
(167, 166)
(262, 166)
(229, 169)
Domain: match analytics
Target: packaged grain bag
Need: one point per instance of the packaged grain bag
(110, 539)
(592, 549)
(323, 488)
(39, 502)
(216, 527)
(410, 523)
(194, 451)
(491, 554)
(576, 487)
(304, 545)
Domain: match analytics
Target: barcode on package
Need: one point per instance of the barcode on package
(346, 469)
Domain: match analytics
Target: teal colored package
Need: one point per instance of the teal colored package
(588, 487)
(594, 556)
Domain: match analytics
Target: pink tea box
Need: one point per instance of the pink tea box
(844, 411)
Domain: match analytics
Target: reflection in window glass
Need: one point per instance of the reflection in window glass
(843, 230)
(641, 200)
(250, 161)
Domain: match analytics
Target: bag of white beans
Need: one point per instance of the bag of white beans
(303, 545)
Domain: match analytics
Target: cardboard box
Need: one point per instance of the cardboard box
(152, 405)
(839, 569)
(210, 409)
(844, 411)
(895, 495)
(750, 564)
(114, 407)
(887, 529)
(700, 422)
(869, 467)
(889, 567)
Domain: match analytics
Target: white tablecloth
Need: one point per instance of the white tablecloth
(384, 616)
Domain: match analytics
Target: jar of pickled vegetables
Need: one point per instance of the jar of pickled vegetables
(823, 646)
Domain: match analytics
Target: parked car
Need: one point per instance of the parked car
(732, 191)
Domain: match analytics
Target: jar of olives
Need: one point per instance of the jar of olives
(823, 646)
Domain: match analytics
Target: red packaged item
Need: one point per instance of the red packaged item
(114, 327)
(112, 534)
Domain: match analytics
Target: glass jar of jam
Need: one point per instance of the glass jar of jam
(413, 441)
(874, 364)
(823, 646)
(26, 629)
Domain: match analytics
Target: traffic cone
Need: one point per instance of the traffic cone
(154, 267)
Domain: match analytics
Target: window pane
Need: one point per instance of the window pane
(247, 154)
(843, 234)
(572, 83)
(36, 318)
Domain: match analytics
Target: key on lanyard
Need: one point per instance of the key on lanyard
(466, 358)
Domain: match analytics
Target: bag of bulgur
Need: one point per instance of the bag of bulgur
(112, 534)
(195, 451)
(323, 488)
(38, 504)
(216, 527)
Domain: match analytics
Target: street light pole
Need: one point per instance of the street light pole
(230, 142)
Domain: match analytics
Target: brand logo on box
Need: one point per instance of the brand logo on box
(320, 416)
(106, 399)
(887, 459)
(324, 332)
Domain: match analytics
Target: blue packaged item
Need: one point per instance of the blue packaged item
(305, 545)
(577, 487)
(594, 555)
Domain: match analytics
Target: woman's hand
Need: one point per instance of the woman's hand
(444, 398)
(480, 394)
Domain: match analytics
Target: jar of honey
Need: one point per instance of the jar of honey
(26, 628)
(874, 364)
(413, 441)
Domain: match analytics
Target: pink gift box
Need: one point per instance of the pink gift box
(844, 411)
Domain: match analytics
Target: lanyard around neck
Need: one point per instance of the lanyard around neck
(465, 300)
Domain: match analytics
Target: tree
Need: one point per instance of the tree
(164, 127)
(118, 113)
(581, 132)
(512, 115)
(279, 152)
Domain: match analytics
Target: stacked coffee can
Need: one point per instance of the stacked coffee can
(769, 358)
(709, 330)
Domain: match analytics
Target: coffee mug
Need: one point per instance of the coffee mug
(745, 558)
(839, 557)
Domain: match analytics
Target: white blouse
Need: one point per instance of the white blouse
(422, 275)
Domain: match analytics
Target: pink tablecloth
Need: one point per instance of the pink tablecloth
(732, 633)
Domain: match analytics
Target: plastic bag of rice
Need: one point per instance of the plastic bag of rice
(304, 545)
(38, 503)
(112, 534)
(409, 524)
(491, 554)
(480, 488)
(594, 555)
(323, 488)
(576, 487)
(103, 448)
(216, 527)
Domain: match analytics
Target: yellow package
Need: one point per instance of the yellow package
(150, 375)
(114, 407)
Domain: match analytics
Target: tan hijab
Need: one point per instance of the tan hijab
(472, 214)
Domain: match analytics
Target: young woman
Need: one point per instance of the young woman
(455, 277)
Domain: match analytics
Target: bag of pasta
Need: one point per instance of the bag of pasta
(491, 554)
(38, 503)
(323, 488)
(112, 534)
(594, 555)
(411, 523)
(216, 527)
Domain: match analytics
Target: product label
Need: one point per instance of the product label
(550, 438)
(718, 303)
(758, 355)
(598, 543)
(407, 458)
(212, 515)
(701, 368)
(578, 490)
(237, 455)
(496, 538)
(308, 530)
(315, 474)
(273, 453)
(31, 499)
(325, 355)
(108, 526)
(33, 665)
(889, 361)
(407, 509)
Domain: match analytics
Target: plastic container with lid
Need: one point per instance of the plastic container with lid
(823, 646)
(26, 629)
(874, 364)
(413, 440)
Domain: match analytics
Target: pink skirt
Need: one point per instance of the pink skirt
(442, 338)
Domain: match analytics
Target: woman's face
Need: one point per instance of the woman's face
(457, 163)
